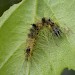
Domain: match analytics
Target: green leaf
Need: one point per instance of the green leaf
(51, 55)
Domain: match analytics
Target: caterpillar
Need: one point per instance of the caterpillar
(32, 38)
(34, 31)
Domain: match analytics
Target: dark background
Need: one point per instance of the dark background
(5, 4)
(66, 71)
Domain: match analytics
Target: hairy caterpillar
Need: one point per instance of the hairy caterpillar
(32, 36)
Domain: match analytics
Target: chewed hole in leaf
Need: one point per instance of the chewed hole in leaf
(66, 71)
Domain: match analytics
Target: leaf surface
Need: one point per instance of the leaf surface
(51, 54)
